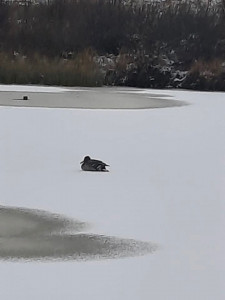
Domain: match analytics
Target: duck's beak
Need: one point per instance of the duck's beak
(81, 162)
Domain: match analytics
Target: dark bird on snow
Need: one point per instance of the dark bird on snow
(89, 164)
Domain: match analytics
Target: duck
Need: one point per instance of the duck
(89, 164)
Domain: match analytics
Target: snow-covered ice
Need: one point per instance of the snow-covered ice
(165, 185)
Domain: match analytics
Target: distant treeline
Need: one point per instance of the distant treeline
(193, 30)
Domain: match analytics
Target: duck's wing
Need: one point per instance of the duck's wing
(98, 164)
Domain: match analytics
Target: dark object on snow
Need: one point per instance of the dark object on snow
(89, 164)
(25, 97)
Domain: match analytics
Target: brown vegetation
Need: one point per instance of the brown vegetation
(78, 71)
(54, 37)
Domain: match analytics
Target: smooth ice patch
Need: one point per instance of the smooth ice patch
(88, 98)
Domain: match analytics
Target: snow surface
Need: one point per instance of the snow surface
(165, 185)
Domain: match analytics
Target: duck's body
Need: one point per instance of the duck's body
(89, 164)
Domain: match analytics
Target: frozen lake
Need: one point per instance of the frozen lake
(151, 228)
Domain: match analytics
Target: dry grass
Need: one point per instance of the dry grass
(210, 69)
(79, 71)
(123, 61)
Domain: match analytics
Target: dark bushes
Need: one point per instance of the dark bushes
(182, 32)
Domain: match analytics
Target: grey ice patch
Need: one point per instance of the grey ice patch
(27, 234)
(20, 222)
(91, 98)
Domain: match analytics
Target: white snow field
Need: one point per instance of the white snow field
(166, 186)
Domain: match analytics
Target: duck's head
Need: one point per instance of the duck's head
(86, 159)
